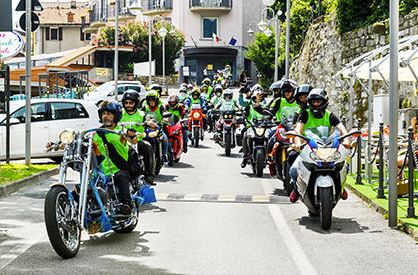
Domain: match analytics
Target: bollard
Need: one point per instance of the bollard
(358, 179)
(380, 190)
(411, 209)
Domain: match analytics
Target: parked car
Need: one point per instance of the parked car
(49, 117)
(107, 91)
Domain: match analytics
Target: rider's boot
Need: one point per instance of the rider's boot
(344, 195)
(272, 169)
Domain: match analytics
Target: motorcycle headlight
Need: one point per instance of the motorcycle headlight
(153, 134)
(325, 155)
(67, 136)
(196, 115)
(259, 131)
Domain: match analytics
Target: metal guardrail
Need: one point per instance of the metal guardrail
(160, 5)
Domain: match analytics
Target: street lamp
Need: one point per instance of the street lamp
(264, 27)
(163, 33)
(250, 30)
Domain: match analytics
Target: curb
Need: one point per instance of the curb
(401, 224)
(12, 187)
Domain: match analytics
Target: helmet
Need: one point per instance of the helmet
(131, 95)
(195, 91)
(206, 81)
(112, 107)
(257, 87)
(275, 88)
(153, 94)
(183, 89)
(218, 89)
(173, 101)
(228, 93)
(204, 88)
(288, 85)
(318, 94)
(183, 85)
(303, 89)
(155, 87)
(190, 86)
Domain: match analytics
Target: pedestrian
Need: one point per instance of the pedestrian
(243, 77)
(205, 72)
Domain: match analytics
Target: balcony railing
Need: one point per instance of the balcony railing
(158, 6)
(97, 18)
(124, 13)
(210, 4)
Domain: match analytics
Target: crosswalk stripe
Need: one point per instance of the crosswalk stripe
(220, 198)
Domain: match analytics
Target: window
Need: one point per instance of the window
(38, 113)
(209, 26)
(53, 33)
(136, 88)
(67, 110)
(84, 36)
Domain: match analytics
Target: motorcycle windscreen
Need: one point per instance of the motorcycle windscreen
(323, 134)
(196, 106)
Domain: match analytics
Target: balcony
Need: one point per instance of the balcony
(97, 19)
(124, 14)
(158, 7)
(222, 6)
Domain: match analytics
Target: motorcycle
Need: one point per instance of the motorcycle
(195, 124)
(225, 130)
(174, 133)
(257, 135)
(280, 154)
(322, 171)
(92, 204)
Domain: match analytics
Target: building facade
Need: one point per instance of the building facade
(215, 30)
(61, 27)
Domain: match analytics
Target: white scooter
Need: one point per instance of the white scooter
(322, 171)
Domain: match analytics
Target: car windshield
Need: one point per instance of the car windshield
(104, 87)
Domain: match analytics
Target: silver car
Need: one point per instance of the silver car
(107, 91)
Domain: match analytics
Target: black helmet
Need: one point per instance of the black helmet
(131, 95)
(318, 94)
(303, 89)
(112, 107)
(275, 88)
(288, 85)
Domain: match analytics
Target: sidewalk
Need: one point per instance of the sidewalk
(369, 194)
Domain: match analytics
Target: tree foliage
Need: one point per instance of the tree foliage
(136, 36)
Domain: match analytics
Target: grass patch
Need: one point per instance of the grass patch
(14, 172)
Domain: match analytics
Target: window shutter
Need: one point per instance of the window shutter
(81, 34)
(60, 33)
(47, 33)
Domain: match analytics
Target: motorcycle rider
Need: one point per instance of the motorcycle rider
(204, 92)
(317, 115)
(177, 109)
(131, 113)
(210, 88)
(156, 87)
(183, 94)
(227, 100)
(253, 111)
(284, 107)
(154, 109)
(110, 114)
(214, 101)
(197, 99)
(245, 94)
(276, 89)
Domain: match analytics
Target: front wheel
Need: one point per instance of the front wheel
(170, 155)
(228, 141)
(325, 207)
(259, 163)
(286, 178)
(63, 233)
(196, 131)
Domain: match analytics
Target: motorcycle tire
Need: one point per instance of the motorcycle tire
(177, 160)
(132, 226)
(196, 137)
(259, 164)
(170, 159)
(325, 207)
(286, 178)
(55, 201)
(228, 142)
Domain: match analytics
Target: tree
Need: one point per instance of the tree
(136, 36)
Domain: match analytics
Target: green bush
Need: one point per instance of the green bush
(136, 36)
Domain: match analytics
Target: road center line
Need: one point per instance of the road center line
(296, 252)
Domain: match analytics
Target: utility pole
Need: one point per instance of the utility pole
(116, 61)
(28, 80)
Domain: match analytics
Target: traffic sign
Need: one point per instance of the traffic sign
(36, 6)
(34, 19)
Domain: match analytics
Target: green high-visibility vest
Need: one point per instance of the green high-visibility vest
(314, 124)
(138, 116)
(287, 110)
(157, 114)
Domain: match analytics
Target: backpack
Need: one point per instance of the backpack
(132, 165)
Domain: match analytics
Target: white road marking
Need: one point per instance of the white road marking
(296, 252)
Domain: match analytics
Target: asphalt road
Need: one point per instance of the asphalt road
(212, 217)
